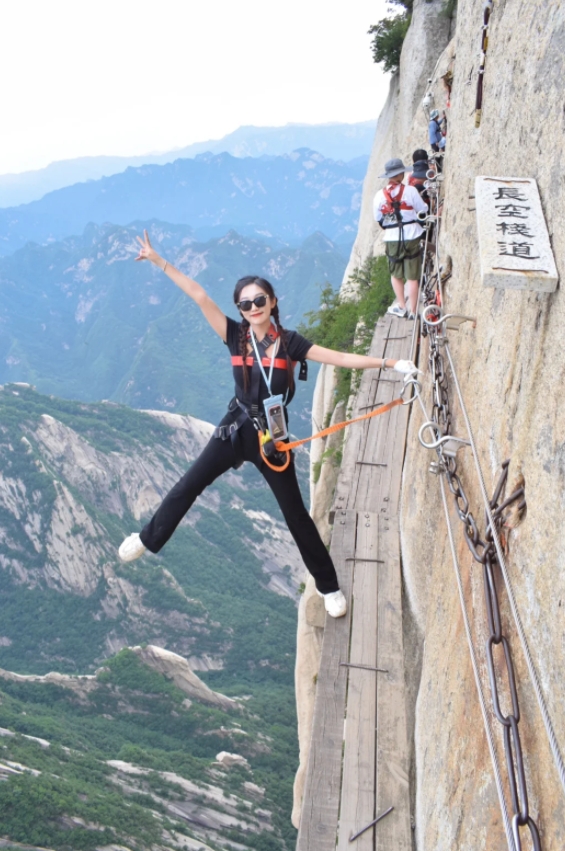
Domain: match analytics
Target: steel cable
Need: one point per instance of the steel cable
(554, 745)
(488, 731)
(447, 464)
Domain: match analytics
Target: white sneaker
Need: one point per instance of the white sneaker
(334, 603)
(131, 548)
(396, 310)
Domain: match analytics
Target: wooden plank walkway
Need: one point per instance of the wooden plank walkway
(359, 757)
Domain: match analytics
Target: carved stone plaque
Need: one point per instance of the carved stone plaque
(513, 239)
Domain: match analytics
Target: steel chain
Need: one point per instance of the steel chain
(484, 553)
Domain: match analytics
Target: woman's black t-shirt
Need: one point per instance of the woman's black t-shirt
(297, 347)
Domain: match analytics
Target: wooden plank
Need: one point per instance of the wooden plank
(355, 434)
(378, 436)
(384, 498)
(397, 460)
(394, 832)
(375, 761)
(394, 453)
(320, 808)
(358, 779)
(382, 432)
(346, 485)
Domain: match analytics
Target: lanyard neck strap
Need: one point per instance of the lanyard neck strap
(260, 360)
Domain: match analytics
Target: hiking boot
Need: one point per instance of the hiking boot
(396, 310)
(131, 548)
(334, 603)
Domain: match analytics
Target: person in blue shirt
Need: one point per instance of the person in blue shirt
(436, 137)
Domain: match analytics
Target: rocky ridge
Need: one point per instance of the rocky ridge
(171, 665)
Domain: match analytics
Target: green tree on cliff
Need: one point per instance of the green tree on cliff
(389, 33)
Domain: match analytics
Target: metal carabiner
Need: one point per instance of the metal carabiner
(411, 381)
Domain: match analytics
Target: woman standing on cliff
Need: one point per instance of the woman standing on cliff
(259, 378)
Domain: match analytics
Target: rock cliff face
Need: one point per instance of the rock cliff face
(509, 367)
(427, 37)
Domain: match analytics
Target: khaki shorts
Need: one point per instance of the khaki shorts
(401, 266)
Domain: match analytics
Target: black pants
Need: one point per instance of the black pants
(218, 457)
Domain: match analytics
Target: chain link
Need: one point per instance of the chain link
(498, 653)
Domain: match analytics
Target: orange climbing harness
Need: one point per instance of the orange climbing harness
(394, 203)
(287, 447)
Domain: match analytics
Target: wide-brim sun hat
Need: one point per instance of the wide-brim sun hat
(393, 167)
(434, 113)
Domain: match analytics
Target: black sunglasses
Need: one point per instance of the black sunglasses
(247, 304)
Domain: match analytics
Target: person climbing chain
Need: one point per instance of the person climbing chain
(263, 356)
(396, 208)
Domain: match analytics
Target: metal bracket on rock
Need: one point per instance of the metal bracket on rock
(452, 320)
(448, 442)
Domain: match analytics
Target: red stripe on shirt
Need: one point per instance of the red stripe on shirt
(280, 363)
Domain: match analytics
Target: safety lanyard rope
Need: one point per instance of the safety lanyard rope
(287, 447)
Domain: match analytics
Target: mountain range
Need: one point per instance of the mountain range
(108, 738)
(336, 141)
(117, 730)
(80, 319)
(287, 197)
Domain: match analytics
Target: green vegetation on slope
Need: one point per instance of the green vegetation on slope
(228, 603)
(135, 715)
(221, 607)
(348, 324)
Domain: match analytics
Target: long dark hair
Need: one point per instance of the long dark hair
(244, 327)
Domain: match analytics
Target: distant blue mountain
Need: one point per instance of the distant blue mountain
(336, 141)
(288, 197)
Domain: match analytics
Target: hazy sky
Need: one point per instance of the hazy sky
(125, 77)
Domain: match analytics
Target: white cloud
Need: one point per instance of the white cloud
(132, 76)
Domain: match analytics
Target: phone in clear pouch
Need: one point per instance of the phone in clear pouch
(276, 420)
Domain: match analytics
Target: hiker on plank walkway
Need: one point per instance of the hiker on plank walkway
(396, 209)
(263, 356)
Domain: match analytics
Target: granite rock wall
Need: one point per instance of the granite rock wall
(510, 367)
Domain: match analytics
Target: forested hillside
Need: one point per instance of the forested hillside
(125, 759)
(80, 319)
(74, 479)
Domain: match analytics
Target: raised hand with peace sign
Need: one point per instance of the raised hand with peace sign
(147, 252)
